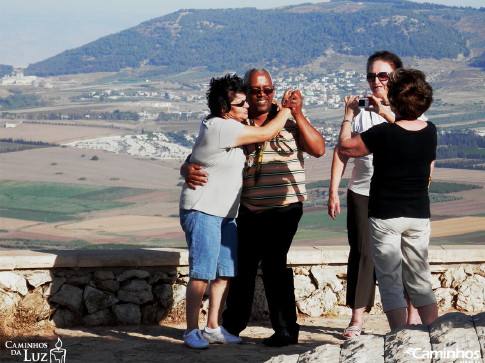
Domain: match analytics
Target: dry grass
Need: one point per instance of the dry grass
(22, 325)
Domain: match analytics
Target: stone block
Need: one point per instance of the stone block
(69, 296)
(166, 277)
(319, 303)
(325, 275)
(479, 323)
(127, 314)
(303, 286)
(8, 300)
(407, 344)
(453, 332)
(95, 299)
(135, 291)
(38, 277)
(363, 349)
(54, 286)
(471, 294)
(78, 280)
(138, 274)
(324, 353)
(13, 282)
(108, 285)
(100, 317)
(103, 275)
(63, 318)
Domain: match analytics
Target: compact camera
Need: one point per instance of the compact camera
(363, 102)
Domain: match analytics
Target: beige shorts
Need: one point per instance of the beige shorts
(399, 249)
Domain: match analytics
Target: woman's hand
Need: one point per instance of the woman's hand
(382, 109)
(351, 107)
(333, 205)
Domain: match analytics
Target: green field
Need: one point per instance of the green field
(317, 225)
(37, 244)
(54, 202)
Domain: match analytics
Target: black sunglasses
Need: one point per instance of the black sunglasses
(240, 104)
(383, 76)
(266, 90)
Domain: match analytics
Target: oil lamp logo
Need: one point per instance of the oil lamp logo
(58, 354)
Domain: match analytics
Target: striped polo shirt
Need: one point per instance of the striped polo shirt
(281, 178)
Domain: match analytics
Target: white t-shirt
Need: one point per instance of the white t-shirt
(363, 169)
(224, 164)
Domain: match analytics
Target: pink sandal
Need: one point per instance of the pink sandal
(351, 332)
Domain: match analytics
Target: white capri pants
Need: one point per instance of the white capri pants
(399, 248)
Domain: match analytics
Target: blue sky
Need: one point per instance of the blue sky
(33, 30)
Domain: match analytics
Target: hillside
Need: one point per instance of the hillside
(292, 36)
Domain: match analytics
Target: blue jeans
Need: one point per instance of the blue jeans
(212, 243)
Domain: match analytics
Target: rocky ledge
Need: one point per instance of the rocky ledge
(453, 337)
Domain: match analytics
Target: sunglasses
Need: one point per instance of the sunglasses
(266, 90)
(240, 104)
(383, 76)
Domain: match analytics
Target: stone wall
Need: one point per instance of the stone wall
(67, 288)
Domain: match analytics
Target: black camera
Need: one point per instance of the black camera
(363, 102)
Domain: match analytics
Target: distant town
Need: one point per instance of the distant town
(323, 91)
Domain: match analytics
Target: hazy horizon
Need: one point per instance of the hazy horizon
(32, 31)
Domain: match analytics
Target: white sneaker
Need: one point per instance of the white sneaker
(195, 340)
(220, 335)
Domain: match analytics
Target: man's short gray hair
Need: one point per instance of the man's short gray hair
(255, 70)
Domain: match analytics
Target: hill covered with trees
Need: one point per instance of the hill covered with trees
(292, 36)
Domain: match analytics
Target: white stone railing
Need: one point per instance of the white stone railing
(148, 285)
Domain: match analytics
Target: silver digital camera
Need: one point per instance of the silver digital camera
(363, 102)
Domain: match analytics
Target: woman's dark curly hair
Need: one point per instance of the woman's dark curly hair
(222, 91)
(409, 93)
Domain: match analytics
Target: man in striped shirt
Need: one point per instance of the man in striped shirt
(271, 207)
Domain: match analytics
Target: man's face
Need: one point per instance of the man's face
(260, 94)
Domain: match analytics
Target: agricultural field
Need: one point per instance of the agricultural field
(70, 197)
(123, 202)
(459, 219)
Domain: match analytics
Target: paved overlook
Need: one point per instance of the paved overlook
(454, 337)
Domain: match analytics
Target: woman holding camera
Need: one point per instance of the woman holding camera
(360, 267)
(399, 207)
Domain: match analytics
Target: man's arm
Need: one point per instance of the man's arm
(192, 174)
(312, 141)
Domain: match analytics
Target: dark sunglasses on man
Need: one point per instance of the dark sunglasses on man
(265, 90)
(383, 76)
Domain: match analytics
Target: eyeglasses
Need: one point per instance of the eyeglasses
(266, 90)
(383, 76)
(240, 104)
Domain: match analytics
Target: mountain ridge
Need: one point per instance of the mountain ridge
(290, 36)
